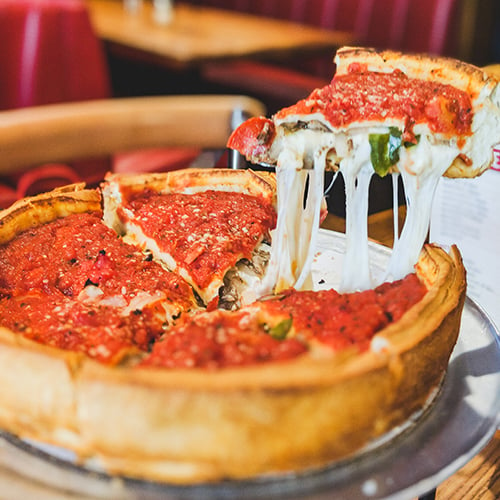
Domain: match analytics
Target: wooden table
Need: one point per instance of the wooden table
(480, 478)
(198, 35)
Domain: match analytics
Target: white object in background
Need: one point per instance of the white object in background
(132, 6)
(466, 212)
(163, 11)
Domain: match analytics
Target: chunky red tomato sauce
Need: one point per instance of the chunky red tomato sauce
(74, 284)
(220, 339)
(207, 232)
(74, 252)
(100, 332)
(343, 320)
(223, 338)
(363, 96)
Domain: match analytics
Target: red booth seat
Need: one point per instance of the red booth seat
(51, 54)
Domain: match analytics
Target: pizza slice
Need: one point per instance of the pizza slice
(416, 116)
(68, 282)
(210, 226)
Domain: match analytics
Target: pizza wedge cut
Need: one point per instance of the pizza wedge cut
(416, 116)
(67, 281)
(210, 226)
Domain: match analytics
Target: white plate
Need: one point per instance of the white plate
(461, 421)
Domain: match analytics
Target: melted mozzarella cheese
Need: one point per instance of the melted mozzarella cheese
(294, 239)
(357, 171)
(299, 200)
(421, 167)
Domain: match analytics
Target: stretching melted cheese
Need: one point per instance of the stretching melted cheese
(300, 196)
(414, 117)
(300, 175)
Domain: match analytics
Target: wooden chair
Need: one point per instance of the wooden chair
(51, 54)
(60, 133)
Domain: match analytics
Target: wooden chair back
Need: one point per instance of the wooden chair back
(74, 131)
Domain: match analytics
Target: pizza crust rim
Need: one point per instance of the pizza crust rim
(467, 77)
(254, 420)
(191, 180)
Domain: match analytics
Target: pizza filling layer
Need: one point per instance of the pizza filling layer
(202, 235)
(221, 339)
(361, 96)
(284, 327)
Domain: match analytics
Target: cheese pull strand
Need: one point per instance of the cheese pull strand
(301, 190)
(421, 169)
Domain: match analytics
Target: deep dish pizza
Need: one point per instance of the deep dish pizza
(168, 327)
(107, 352)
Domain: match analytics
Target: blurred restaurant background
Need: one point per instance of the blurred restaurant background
(277, 51)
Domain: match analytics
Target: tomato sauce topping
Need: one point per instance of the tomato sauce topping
(352, 319)
(74, 284)
(74, 252)
(363, 96)
(100, 332)
(206, 233)
(220, 339)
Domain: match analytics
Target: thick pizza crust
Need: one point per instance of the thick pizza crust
(46, 207)
(193, 426)
(482, 87)
(187, 426)
(464, 76)
(188, 181)
(183, 181)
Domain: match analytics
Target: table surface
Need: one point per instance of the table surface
(480, 478)
(198, 35)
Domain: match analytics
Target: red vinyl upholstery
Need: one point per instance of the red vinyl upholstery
(50, 54)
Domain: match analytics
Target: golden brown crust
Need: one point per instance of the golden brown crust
(46, 207)
(184, 181)
(467, 77)
(195, 180)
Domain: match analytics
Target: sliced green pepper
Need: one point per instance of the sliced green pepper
(279, 331)
(385, 150)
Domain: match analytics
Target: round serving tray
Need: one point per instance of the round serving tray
(408, 463)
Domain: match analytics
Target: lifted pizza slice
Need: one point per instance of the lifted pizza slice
(417, 116)
(210, 226)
